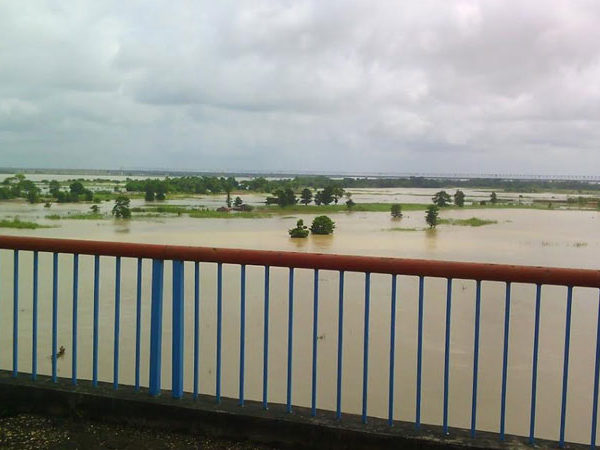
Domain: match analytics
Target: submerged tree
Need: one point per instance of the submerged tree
(493, 198)
(459, 198)
(441, 199)
(121, 209)
(396, 210)
(431, 216)
(322, 225)
(301, 230)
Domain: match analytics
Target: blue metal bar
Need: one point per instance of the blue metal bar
(242, 329)
(290, 337)
(338, 409)
(313, 410)
(447, 353)
(178, 330)
(366, 347)
(505, 361)
(475, 357)
(117, 322)
(563, 410)
(196, 325)
(419, 353)
(536, 334)
(75, 301)
(392, 351)
(156, 326)
(219, 326)
(138, 324)
(54, 314)
(15, 313)
(34, 316)
(596, 378)
(266, 341)
(95, 319)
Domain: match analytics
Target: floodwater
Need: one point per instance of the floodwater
(534, 237)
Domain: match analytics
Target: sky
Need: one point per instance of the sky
(343, 86)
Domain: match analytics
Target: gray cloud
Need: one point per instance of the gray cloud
(386, 86)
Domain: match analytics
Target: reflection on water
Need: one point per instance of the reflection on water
(520, 236)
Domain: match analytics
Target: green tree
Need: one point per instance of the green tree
(33, 195)
(149, 193)
(431, 216)
(121, 209)
(326, 195)
(286, 197)
(54, 188)
(349, 202)
(161, 191)
(337, 192)
(306, 196)
(301, 230)
(238, 202)
(396, 210)
(95, 209)
(459, 198)
(493, 198)
(441, 199)
(322, 225)
(318, 198)
(77, 188)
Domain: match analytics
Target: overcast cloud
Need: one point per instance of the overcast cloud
(346, 86)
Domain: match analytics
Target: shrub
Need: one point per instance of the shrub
(322, 225)
(301, 230)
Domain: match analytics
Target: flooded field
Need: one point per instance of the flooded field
(520, 236)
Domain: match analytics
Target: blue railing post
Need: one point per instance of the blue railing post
(392, 351)
(366, 347)
(340, 347)
(596, 379)
(266, 341)
(290, 339)
(313, 410)
(219, 328)
(15, 313)
(156, 326)
(178, 330)
(475, 357)
(138, 324)
(447, 353)
(117, 322)
(563, 409)
(419, 353)
(34, 316)
(536, 334)
(74, 331)
(196, 326)
(242, 329)
(95, 320)
(54, 314)
(505, 361)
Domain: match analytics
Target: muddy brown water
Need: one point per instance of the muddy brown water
(553, 238)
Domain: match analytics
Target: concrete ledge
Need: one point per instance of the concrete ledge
(230, 421)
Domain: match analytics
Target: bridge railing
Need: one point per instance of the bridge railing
(177, 255)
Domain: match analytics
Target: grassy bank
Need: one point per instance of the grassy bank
(21, 224)
(84, 216)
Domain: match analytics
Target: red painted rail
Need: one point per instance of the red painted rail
(372, 264)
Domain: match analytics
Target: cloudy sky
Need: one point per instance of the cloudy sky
(336, 85)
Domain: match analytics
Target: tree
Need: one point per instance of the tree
(459, 198)
(95, 209)
(286, 197)
(326, 195)
(322, 225)
(238, 202)
(396, 210)
(306, 196)
(149, 195)
(441, 199)
(77, 188)
(121, 209)
(33, 195)
(161, 190)
(431, 216)
(319, 198)
(337, 192)
(54, 188)
(301, 230)
(493, 198)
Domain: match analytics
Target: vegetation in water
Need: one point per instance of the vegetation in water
(431, 215)
(471, 222)
(322, 225)
(20, 224)
(300, 231)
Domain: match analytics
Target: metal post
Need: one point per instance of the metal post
(156, 326)
(178, 330)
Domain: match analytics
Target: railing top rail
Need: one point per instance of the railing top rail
(350, 263)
